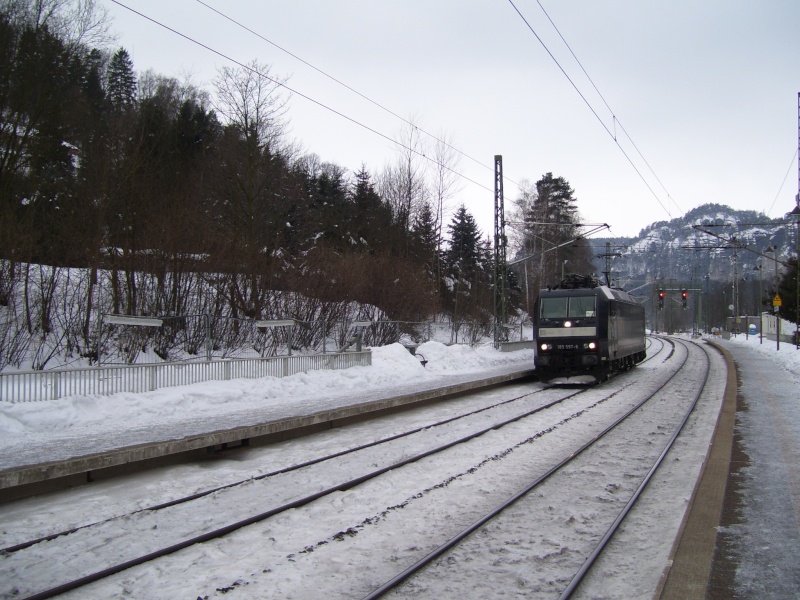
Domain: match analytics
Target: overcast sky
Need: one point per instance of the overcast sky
(706, 90)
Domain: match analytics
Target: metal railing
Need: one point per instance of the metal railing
(31, 386)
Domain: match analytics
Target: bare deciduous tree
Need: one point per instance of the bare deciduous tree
(253, 100)
(446, 181)
(402, 184)
(253, 106)
(77, 22)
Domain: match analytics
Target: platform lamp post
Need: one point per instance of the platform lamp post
(774, 288)
(795, 214)
(707, 307)
(736, 306)
(760, 269)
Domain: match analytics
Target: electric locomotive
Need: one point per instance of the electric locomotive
(585, 330)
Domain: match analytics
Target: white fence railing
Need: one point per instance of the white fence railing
(31, 386)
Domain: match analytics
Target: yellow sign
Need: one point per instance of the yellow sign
(776, 301)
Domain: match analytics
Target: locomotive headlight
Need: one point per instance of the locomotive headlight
(546, 347)
(592, 346)
(567, 323)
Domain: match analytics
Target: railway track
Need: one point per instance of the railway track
(580, 461)
(16, 552)
(281, 471)
(345, 468)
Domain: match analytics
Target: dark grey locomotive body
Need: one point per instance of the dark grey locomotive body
(586, 329)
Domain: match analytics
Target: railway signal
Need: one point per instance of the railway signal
(660, 299)
(684, 296)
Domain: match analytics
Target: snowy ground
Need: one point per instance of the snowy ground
(787, 356)
(228, 564)
(275, 555)
(759, 538)
(35, 432)
(393, 367)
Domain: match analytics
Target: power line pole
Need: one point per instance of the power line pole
(608, 255)
(500, 243)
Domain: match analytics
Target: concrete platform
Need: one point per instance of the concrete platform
(741, 535)
(32, 478)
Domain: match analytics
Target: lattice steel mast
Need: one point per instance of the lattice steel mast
(500, 267)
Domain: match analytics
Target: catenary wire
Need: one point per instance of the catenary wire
(351, 89)
(591, 108)
(614, 116)
(298, 93)
(780, 189)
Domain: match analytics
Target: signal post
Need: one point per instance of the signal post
(661, 297)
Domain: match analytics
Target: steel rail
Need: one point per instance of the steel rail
(220, 532)
(308, 463)
(394, 582)
(647, 357)
(225, 530)
(604, 541)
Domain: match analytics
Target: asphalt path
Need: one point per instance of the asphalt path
(758, 540)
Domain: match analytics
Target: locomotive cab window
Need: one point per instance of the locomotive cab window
(562, 308)
(581, 306)
(554, 308)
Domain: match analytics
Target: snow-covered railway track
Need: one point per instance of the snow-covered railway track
(279, 471)
(342, 509)
(498, 413)
(469, 561)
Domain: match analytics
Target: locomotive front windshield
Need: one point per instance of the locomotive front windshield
(573, 307)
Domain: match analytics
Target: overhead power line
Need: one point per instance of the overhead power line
(780, 189)
(302, 95)
(589, 105)
(613, 115)
(350, 88)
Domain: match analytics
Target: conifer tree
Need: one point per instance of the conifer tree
(373, 218)
(93, 83)
(468, 267)
(549, 212)
(462, 257)
(121, 81)
(425, 240)
(554, 208)
(329, 208)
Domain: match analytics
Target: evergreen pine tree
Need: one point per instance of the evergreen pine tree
(425, 240)
(462, 257)
(121, 80)
(373, 218)
(330, 207)
(93, 83)
(555, 205)
(550, 214)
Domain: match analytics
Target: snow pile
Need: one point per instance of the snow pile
(788, 357)
(392, 366)
(464, 359)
